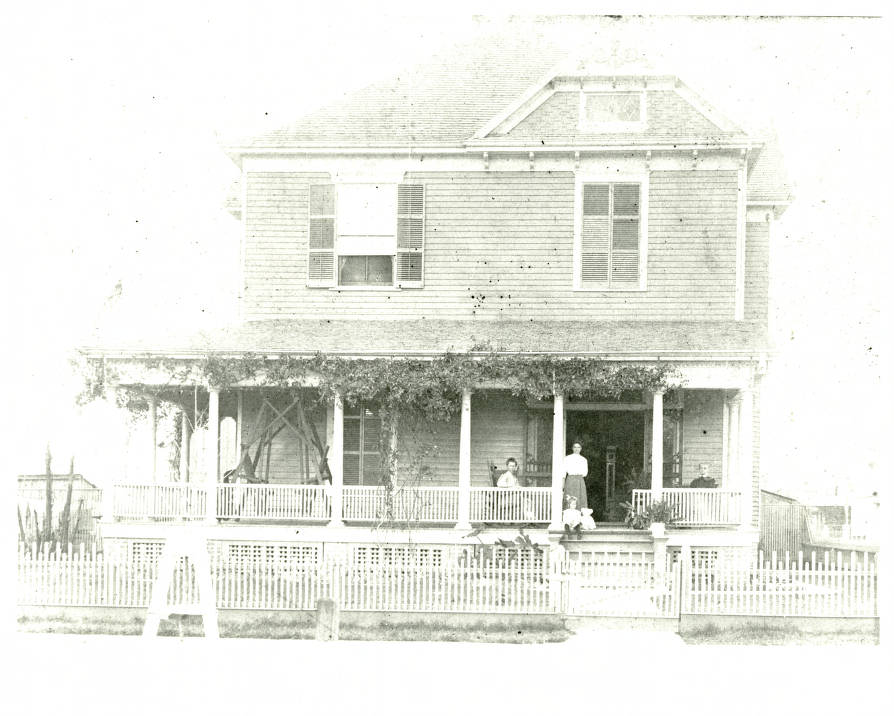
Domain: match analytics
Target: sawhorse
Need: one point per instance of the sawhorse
(195, 549)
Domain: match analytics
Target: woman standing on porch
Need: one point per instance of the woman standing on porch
(576, 469)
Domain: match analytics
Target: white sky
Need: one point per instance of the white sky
(118, 116)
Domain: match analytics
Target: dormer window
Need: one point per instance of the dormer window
(612, 111)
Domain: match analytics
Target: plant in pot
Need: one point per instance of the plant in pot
(654, 517)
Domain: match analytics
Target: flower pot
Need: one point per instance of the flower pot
(657, 529)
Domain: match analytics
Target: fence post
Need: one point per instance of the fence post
(685, 579)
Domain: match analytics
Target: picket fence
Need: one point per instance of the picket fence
(610, 584)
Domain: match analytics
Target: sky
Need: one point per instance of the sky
(119, 116)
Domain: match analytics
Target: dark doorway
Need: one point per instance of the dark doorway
(597, 432)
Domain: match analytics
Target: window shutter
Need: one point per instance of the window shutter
(625, 234)
(595, 234)
(410, 235)
(321, 236)
(610, 236)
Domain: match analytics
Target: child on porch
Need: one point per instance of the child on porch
(571, 517)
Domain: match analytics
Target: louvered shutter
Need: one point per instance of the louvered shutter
(595, 234)
(610, 236)
(321, 236)
(410, 235)
(625, 235)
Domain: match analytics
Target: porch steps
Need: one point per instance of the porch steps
(610, 539)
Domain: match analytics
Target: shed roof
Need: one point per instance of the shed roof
(401, 337)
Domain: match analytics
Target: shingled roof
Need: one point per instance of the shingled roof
(401, 337)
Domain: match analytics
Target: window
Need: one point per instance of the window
(609, 235)
(362, 453)
(366, 234)
(612, 111)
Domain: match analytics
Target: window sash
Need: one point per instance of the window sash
(330, 239)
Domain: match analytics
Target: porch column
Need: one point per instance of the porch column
(558, 485)
(153, 429)
(657, 443)
(184, 447)
(724, 455)
(211, 454)
(746, 455)
(336, 461)
(732, 452)
(465, 462)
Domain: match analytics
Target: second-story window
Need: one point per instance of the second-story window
(609, 235)
(366, 234)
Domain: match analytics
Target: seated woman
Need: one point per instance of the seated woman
(704, 478)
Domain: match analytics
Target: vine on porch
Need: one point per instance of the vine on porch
(412, 395)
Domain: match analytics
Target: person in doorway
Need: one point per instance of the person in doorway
(704, 478)
(576, 469)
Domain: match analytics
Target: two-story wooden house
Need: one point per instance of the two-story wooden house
(489, 207)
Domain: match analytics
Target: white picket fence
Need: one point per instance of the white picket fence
(784, 587)
(519, 586)
(616, 585)
(620, 585)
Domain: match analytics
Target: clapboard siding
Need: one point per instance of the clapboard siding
(757, 271)
(498, 424)
(702, 433)
(500, 245)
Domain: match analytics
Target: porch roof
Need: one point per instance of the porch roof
(646, 339)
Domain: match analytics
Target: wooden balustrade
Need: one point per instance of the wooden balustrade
(696, 506)
(510, 504)
(163, 502)
(273, 502)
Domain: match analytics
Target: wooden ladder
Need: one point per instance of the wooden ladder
(195, 549)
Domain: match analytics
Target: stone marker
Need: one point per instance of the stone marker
(327, 620)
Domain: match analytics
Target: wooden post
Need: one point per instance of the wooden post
(336, 461)
(732, 452)
(465, 462)
(212, 454)
(558, 483)
(746, 456)
(327, 620)
(657, 444)
(184, 447)
(153, 430)
(724, 457)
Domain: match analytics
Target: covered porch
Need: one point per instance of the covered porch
(640, 450)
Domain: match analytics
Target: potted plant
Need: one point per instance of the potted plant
(655, 517)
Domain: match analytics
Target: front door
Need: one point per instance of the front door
(612, 442)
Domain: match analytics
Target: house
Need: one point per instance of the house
(31, 499)
(495, 255)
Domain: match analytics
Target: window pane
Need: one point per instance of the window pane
(352, 270)
(322, 199)
(372, 469)
(367, 209)
(379, 270)
(595, 199)
(612, 107)
(625, 234)
(626, 200)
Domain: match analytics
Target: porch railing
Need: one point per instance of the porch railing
(696, 507)
(273, 502)
(167, 502)
(416, 504)
(510, 504)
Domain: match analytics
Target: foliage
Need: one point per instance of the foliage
(659, 511)
(429, 387)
